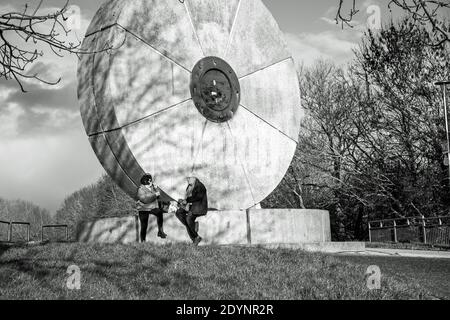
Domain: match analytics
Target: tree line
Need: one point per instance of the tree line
(371, 142)
(22, 211)
(100, 200)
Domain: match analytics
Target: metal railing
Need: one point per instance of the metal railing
(432, 230)
(55, 226)
(23, 224)
(8, 237)
(10, 229)
(10, 225)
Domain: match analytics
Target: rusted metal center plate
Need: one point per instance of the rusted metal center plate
(215, 89)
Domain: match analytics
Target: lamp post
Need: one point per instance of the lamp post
(443, 85)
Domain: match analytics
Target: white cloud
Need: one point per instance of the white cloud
(47, 169)
(7, 8)
(331, 11)
(328, 20)
(66, 67)
(50, 161)
(9, 116)
(355, 24)
(58, 67)
(360, 21)
(335, 44)
(330, 45)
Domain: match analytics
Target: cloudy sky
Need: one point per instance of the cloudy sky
(44, 152)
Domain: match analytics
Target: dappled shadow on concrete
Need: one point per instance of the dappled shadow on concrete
(109, 230)
(217, 228)
(131, 82)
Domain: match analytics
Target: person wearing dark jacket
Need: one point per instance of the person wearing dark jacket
(147, 204)
(196, 205)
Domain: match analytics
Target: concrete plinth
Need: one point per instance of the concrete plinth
(289, 226)
(326, 247)
(239, 227)
(109, 230)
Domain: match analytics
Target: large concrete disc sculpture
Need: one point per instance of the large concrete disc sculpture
(200, 87)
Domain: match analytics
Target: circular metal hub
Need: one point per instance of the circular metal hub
(215, 89)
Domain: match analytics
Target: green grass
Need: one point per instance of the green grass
(432, 274)
(184, 272)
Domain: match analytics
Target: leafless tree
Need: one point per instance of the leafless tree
(422, 11)
(23, 35)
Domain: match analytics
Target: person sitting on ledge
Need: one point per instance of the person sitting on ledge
(147, 204)
(194, 205)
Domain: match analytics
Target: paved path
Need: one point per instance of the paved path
(400, 253)
(432, 273)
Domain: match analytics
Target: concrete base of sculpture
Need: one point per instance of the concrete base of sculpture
(240, 227)
(327, 247)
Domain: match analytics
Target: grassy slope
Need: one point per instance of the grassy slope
(432, 274)
(186, 272)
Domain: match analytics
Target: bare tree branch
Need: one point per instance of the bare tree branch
(348, 19)
(34, 30)
(423, 12)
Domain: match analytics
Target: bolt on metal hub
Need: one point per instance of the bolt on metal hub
(215, 89)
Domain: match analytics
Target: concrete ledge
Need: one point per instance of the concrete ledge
(326, 247)
(217, 228)
(224, 227)
(109, 230)
(237, 227)
(289, 226)
(408, 253)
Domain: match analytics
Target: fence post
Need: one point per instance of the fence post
(249, 230)
(28, 233)
(42, 233)
(67, 234)
(9, 232)
(395, 232)
(370, 235)
(424, 230)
